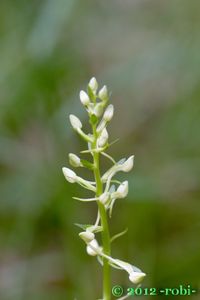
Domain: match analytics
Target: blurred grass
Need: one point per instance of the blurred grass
(147, 52)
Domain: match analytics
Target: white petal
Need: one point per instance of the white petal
(69, 175)
(136, 277)
(85, 100)
(93, 84)
(122, 190)
(108, 114)
(103, 93)
(102, 140)
(104, 197)
(75, 122)
(128, 164)
(87, 236)
(74, 160)
(91, 250)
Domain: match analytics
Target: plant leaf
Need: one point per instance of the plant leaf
(83, 226)
(85, 199)
(116, 236)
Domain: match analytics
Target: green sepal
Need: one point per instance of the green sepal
(116, 236)
(94, 229)
(83, 226)
(87, 164)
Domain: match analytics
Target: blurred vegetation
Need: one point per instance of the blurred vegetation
(147, 52)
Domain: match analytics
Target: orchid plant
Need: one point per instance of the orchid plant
(106, 189)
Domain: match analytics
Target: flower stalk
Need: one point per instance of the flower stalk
(104, 186)
(104, 222)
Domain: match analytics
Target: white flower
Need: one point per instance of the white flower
(125, 166)
(93, 84)
(135, 274)
(128, 164)
(69, 175)
(122, 190)
(108, 114)
(103, 93)
(136, 277)
(93, 248)
(85, 100)
(74, 160)
(102, 140)
(87, 236)
(75, 122)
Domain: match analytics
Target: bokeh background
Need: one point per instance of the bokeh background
(148, 53)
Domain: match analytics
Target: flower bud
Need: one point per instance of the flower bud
(69, 175)
(93, 84)
(104, 198)
(75, 122)
(98, 110)
(108, 114)
(90, 250)
(87, 236)
(74, 160)
(103, 93)
(136, 277)
(85, 100)
(128, 164)
(102, 140)
(122, 190)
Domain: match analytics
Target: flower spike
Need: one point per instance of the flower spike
(106, 189)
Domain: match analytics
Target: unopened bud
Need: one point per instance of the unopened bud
(136, 277)
(74, 160)
(75, 122)
(98, 110)
(93, 84)
(103, 138)
(108, 114)
(103, 93)
(85, 100)
(87, 236)
(69, 175)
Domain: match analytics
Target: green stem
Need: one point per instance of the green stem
(104, 223)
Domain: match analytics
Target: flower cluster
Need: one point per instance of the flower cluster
(105, 187)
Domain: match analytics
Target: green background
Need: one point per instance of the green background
(148, 54)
